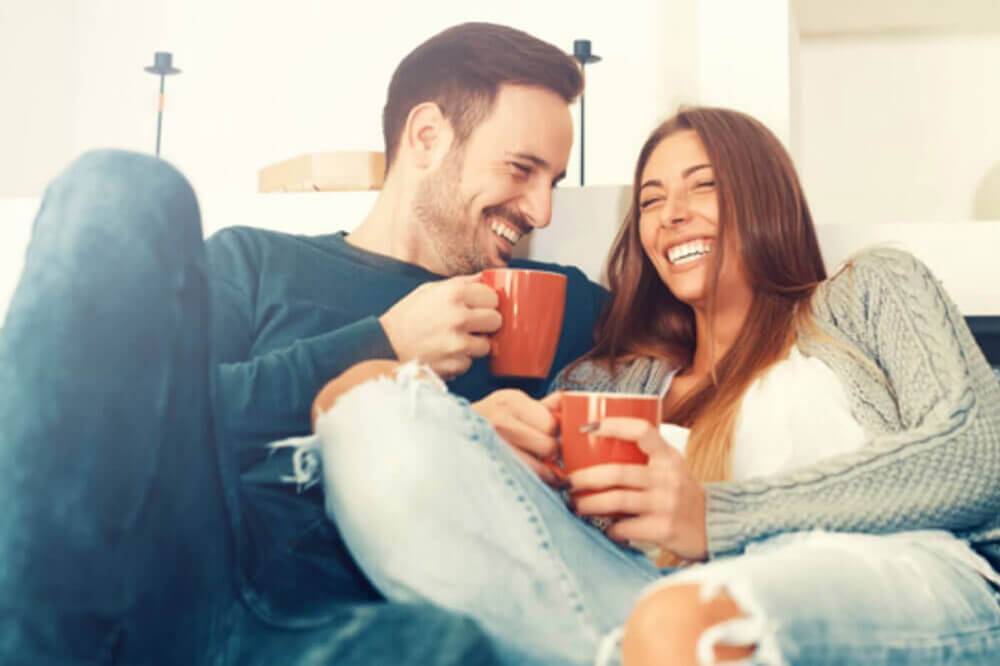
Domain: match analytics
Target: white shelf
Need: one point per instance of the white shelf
(839, 18)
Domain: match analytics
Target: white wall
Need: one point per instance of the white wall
(263, 81)
(901, 128)
(38, 42)
(747, 59)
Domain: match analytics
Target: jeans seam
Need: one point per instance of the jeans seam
(544, 538)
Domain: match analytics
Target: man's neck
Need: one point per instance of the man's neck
(390, 230)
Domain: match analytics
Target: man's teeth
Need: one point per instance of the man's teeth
(507, 233)
(682, 254)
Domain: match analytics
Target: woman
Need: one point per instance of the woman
(841, 478)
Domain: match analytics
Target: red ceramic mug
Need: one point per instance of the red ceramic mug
(581, 448)
(531, 304)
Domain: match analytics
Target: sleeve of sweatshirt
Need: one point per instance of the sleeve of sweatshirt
(941, 471)
(270, 395)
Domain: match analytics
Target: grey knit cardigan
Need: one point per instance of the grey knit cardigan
(928, 401)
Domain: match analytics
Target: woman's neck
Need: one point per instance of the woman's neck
(712, 345)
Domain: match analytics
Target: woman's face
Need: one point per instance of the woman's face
(679, 221)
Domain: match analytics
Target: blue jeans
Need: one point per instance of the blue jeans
(115, 541)
(435, 507)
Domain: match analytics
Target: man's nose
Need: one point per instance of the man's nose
(538, 206)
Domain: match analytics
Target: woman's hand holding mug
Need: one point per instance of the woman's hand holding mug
(660, 502)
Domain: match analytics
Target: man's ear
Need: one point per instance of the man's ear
(427, 136)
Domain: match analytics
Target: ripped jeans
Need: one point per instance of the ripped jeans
(435, 507)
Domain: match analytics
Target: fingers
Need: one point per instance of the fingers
(523, 437)
(482, 320)
(613, 502)
(642, 432)
(475, 294)
(553, 402)
(649, 528)
(544, 472)
(452, 367)
(476, 346)
(600, 477)
(623, 428)
(534, 413)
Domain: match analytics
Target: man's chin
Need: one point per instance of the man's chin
(499, 253)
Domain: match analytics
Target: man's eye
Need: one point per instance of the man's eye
(521, 169)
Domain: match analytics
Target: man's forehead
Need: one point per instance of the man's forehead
(532, 123)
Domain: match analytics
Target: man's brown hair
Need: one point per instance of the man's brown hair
(461, 70)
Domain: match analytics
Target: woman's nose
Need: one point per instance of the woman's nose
(675, 211)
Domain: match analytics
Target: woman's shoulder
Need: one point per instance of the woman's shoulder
(860, 280)
(642, 374)
(878, 264)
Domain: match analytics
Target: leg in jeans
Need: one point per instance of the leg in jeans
(114, 543)
(112, 524)
(819, 599)
(435, 507)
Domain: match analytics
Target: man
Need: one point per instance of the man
(147, 519)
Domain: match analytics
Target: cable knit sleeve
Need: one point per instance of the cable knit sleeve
(935, 464)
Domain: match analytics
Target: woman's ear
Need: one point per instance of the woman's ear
(427, 136)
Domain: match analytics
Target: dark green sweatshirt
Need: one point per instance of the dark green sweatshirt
(289, 313)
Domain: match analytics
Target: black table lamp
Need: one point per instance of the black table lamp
(162, 65)
(581, 51)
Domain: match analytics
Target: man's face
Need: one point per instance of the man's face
(491, 191)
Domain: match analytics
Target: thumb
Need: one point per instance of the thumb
(553, 401)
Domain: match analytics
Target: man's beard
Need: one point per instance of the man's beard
(438, 209)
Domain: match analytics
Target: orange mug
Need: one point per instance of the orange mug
(531, 304)
(579, 409)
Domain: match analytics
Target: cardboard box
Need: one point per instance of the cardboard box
(324, 172)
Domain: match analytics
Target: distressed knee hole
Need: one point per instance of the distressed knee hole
(704, 624)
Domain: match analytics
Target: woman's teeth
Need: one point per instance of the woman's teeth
(688, 252)
(508, 233)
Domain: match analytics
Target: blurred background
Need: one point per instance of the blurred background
(890, 108)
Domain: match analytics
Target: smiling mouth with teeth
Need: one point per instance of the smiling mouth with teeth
(685, 253)
(505, 231)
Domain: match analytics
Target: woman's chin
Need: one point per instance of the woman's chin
(686, 292)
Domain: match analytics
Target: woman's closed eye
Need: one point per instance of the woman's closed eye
(646, 203)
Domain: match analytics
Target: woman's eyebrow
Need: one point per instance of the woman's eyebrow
(691, 169)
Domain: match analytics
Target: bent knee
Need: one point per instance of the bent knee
(665, 628)
(140, 198)
(357, 374)
(387, 438)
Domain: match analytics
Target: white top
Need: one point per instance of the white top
(797, 414)
(794, 415)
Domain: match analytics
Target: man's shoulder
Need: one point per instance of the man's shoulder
(879, 268)
(250, 238)
(251, 245)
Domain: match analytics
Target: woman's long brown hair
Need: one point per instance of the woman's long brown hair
(761, 201)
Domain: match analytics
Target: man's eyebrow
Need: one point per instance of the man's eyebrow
(534, 159)
(538, 162)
